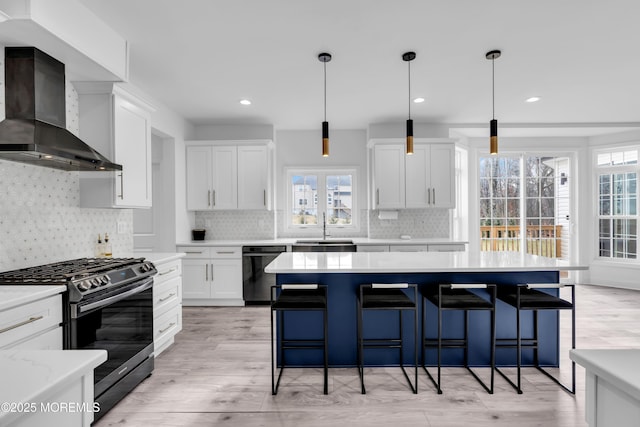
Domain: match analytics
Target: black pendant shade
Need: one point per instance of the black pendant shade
(324, 58)
(493, 124)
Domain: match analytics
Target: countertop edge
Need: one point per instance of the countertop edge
(593, 360)
(160, 257)
(28, 294)
(363, 241)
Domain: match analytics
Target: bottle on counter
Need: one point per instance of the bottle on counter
(99, 247)
(107, 246)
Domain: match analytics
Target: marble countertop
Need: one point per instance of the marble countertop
(36, 375)
(414, 262)
(293, 240)
(617, 366)
(12, 296)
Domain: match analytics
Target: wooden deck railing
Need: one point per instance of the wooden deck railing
(542, 240)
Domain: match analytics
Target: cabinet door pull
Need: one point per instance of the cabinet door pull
(171, 295)
(206, 272)
(377, 196)
(212, 272)
(171, 325)
(17, 325)
(192, 252)
(209, 198)
(214, 197)
(225, 252)
(434, 196)
(428, 196)
(171, 270)
(121, 174)
(264, 197)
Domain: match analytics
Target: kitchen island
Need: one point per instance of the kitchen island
(342, 273)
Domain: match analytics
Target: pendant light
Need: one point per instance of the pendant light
(408, 57)
(324, 58)
(493, 124)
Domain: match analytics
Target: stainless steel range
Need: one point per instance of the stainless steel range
(109, 305)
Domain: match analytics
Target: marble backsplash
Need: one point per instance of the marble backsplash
(41, 221)
(417, 223)
(233, 225)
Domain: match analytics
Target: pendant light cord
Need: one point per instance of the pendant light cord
(493, 87)
(409, 68)
(325, 91)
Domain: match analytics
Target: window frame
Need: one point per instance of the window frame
(611, 170)
(322, 195)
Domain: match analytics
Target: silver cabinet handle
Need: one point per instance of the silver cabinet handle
(206, 272)
(377, 196)
(214, 197)
(17, 325)
(121, 174)
(225, 253)
(428, 196)
(264, 197)
(209, 198)
(172, 269)
(192, 252)
(212, 272)
(434, 196)
(171, 295)
(171, 325)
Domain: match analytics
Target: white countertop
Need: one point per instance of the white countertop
(617, 366)
(159, 257)
(32, 375)
(12, 296)
(413, 262)
(293, 240)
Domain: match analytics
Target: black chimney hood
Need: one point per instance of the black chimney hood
(34, 130)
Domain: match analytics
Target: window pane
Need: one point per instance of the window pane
(499, 209)
(485, 208)
(498, 188)
(513, 187)
(533, 208)
(605, 184)
(547, 187)
(605, 228)
(604, 159)
(339, 199)
(485, 187)
(547, 208)
(533, 189)
(305, 197)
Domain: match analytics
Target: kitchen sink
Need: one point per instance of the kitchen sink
(330, 245)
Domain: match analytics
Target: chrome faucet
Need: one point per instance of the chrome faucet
(324, 226)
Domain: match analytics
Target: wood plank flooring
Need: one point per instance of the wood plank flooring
(218, 373)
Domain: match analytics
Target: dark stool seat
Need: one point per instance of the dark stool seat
(297, 297)
(532, 297)
(387, 296)
(457, 297)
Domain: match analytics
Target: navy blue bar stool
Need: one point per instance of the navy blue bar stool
(457, 297)
(531, 296)
(297, 297)
(387, 296)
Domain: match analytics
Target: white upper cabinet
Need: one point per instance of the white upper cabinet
(253, 174)
(116, 124)
(430, 176)
(228, 175)
(389, 176)
(422, 180)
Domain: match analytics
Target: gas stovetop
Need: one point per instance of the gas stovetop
(82, 276)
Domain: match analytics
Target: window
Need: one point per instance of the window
(335, 187)
(617, 172)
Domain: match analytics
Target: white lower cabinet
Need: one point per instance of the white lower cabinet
(32, 326)
(212, 276)
(167, 304)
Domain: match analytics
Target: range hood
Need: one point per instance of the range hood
(34, 130)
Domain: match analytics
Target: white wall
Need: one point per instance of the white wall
(233, 132)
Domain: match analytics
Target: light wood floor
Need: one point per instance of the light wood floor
(218, 373)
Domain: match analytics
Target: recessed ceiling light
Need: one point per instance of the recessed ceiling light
(533, 99)
(245, 102)
(418, 100)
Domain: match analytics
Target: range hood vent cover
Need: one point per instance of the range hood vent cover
(34, 130)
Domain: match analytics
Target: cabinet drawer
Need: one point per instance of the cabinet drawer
(167, 325)
(408, 248)
(373, 248)
(194, 252)
(447, 248)
(50, 340)
(166, 295)
(18, 323)
(167, 271)
(226, 252)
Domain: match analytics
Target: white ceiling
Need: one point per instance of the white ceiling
(200, 57)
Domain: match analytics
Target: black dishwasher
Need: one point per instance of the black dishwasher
(256, 284)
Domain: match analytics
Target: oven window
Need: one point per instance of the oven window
(123, 328)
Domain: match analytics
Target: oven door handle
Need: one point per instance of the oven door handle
(104, 302)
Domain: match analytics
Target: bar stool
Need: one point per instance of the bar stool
(448, 297)
(528, 297)
(387, 296)
(298, 297)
